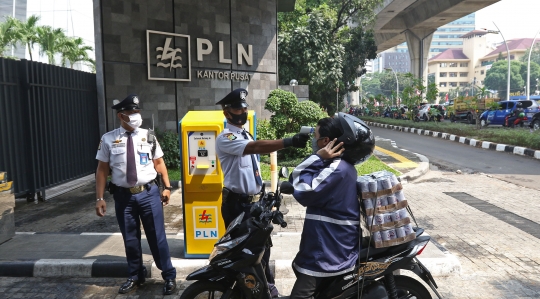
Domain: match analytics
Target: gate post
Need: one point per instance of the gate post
(7, 205)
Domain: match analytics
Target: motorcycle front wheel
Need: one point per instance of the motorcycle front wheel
(408, 287)
(208, 289)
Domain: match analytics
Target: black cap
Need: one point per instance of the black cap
(131, 102)
(235, 99)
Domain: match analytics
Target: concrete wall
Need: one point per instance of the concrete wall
(121, 39)
(301, 91)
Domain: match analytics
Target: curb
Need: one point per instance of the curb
(516, 150)
(423, 165)
(87, 268)
(419, 171)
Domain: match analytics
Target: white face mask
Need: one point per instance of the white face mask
(135, 120)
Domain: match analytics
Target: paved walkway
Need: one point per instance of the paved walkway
(498, 257)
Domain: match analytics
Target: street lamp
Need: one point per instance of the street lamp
(397, 82)
(507, 57)
(293, 83)
(529, 69)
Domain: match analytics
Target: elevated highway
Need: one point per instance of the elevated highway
(415, 21)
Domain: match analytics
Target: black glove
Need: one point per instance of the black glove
(299, 140)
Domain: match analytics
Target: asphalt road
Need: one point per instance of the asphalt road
(451, 156)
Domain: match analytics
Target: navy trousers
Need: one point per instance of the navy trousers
(145, 207)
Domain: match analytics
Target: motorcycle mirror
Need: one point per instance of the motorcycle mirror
(286, 188)
(284, 172)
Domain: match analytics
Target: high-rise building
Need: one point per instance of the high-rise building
(446, 37)
(17, 10)
(449, 36)
(392, 59)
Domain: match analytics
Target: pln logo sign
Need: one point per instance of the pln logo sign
(205, 222)
(169, 59)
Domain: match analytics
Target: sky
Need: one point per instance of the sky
(515, 19)
(76, 17)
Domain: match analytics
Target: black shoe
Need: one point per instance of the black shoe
(169, 286)
(129, 285)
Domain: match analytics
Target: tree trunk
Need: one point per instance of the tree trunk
(30, 52)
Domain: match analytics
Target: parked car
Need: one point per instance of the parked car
(423, 112)
(497, 116)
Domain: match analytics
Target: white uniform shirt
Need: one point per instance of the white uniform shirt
(237, 168)
(113, 149)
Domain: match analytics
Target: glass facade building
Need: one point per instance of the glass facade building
(449, 35)
(17, 10)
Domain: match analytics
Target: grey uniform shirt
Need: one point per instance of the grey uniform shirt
(113, 149)
(237, 168)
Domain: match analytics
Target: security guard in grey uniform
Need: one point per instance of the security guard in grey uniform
(237, 151)
(135, 161)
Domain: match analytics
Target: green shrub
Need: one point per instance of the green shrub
(168, 140)
(289, 115)
(265, 131)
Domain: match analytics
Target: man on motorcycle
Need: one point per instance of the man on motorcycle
(325, 184)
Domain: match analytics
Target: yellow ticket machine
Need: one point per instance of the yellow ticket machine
(202, 179)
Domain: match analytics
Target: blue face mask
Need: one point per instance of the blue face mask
(314, 147)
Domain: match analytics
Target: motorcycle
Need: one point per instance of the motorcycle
(235, 269)
(519, 120)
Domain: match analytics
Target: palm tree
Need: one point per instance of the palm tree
(51, 41)
(7, 35)
(27, 32)
(74, 50)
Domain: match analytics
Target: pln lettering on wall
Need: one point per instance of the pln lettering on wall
(168, 55)
(205, 222)
(169, 58)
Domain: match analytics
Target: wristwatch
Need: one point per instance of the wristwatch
(168, 188)
(99, 199)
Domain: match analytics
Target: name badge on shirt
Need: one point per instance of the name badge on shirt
(144, 158)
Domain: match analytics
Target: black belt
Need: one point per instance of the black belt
(136, 189)
(240, 197)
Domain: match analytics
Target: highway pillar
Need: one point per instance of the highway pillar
(419, 42)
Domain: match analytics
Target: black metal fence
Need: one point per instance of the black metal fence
(48, 124)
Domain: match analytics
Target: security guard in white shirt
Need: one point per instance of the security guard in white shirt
(127, 152)
(237, 153)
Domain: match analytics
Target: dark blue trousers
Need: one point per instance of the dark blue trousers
(145, 207)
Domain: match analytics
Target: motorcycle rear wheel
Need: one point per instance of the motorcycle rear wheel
(207, 289)
(408, 287)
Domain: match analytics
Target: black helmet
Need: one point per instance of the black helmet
(357, 138)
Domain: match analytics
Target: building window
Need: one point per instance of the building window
(463, 83)
(453, 84)
(442, 74)
(463, 74)
(481, 72)
(453, 64)
(444, 64)
(452, 74)
(442, 84)
(464, 64)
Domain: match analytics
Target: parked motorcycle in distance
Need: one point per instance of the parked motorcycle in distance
(518, 120)
(235, 269)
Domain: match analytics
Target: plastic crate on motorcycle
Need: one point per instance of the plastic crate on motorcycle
(384, 209)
